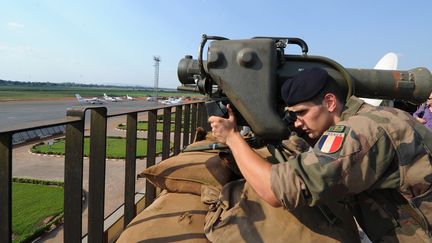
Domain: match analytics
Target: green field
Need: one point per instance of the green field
(116, 148)
(143, 126)
(50, 92)
(31, 205)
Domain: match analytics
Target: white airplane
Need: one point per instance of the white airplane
(165, 102)
(93, 100)
(388, 62)
(171, 101)
(129, 97)
(151, 98)
(109, 98)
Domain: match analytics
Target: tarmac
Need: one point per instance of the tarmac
(22, 112)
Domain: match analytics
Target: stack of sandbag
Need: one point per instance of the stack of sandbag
(178, 214)
(238, 214)
(204, 200)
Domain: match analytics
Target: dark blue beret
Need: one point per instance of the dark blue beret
(304, 86)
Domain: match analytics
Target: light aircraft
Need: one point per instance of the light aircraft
(129, 97)
(388, 62)
(151, 98)
(109, 98)
(93, 100)
(171, 101)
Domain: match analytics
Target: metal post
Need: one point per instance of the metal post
(97, 164)
(150, 193)
(177, 129)
(203, 117)
(193, 122)
(157, 60)
(130, 168)
(73, 181)
(6, 187)
(186, 125)
(166, 134)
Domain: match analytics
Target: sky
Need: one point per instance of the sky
(114, 42)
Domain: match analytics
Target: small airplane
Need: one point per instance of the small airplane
(129, 97)
(171, 101)
(93, 100)
(151, 98)
(113, 99)
(388, 62)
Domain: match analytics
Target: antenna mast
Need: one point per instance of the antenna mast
(156, 60)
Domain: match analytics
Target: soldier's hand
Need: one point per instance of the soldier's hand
(223, 128)
(295, 144)
(421, 120)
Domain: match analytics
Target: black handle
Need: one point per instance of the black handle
(216, 109)
(289, 40)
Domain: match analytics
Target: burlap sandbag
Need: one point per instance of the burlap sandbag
(239, 215)
(188, 171)
(172, 217)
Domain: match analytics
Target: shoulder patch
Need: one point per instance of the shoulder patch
(331, 141)
(337, 128)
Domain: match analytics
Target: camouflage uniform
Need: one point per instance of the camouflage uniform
(377, 160)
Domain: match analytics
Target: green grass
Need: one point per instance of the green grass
(31, 205)
(116, 148)
(173, 115)
(143, 126)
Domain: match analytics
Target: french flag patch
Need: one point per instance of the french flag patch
(331, 142)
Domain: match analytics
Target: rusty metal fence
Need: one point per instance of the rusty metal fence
(187, 117)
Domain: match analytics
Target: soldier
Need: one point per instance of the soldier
(376, 160)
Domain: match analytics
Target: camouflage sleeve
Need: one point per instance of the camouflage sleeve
(343, 162)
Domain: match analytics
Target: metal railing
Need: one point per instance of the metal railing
(187, 118)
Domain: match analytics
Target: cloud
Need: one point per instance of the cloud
(15, 25)
(16, 50)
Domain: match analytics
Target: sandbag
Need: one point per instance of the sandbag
(187, 172)
(201, 165)
(238, 214)
(172, 217)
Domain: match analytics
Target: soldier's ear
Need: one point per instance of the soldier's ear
(330, 102)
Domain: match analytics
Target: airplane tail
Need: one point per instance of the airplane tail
(388, 62)
(79, 98)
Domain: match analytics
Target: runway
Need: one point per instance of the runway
(22, 112)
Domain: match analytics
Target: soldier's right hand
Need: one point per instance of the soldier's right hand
(223, 128)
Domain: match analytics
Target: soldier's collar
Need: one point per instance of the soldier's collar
(351, 107)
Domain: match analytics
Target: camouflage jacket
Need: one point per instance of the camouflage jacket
(377, 160)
